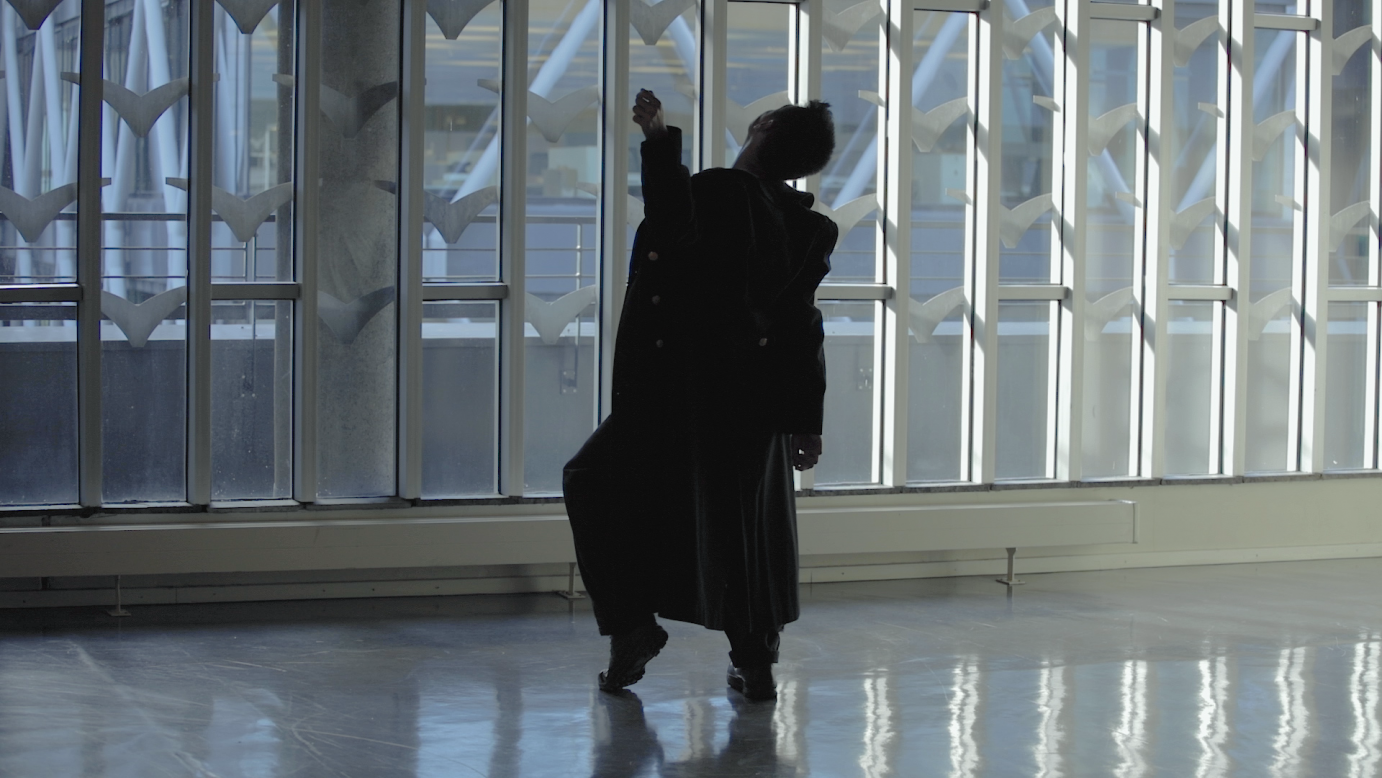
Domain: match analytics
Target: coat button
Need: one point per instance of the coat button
(652, 255)
(659, 343)
(762, 341)
(656, 299)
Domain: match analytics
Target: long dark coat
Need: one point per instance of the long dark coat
(682, 502)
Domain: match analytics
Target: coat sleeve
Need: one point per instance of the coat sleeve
(800, 340)
(668, 207)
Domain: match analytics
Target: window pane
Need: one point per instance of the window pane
(1269, 378)
(251, 399)
(564, 163)
(39, 115)
(849, 74)
(252, 231)
(358, 245)
(1353, 177)
(848, 453)
(938, 405)
(143, 337)
(941, 178)
(1276, 243)
(38, 404)
(1024, 442)
(756, 67)
(461, 152)
(1029, 130)
(460, 375)
(144, 399)
(1192, 388)
(1346, 441)
(1194, 153)
(1113, 247)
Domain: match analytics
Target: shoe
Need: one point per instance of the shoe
(755, 683)
(628, 653)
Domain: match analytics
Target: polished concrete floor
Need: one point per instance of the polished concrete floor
(1246, 670)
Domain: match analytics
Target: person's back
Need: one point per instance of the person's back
(682, 503)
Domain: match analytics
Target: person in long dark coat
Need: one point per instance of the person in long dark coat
(682, 502)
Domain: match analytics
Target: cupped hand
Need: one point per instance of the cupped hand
(647, 113)
(806, 450)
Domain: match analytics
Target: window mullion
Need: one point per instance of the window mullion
(1318, 101)
(612, 264)
(1235, 134)
(305, 231)
(200, 148)
(711, 107)
(410, 211)
(89, 255)
(512, 268)
(1068, 156)
(983, 281)
(894, 269)
(1158, 206)
(1374, 341)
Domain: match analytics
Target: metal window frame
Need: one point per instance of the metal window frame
(1312, 294)
(411, 294)
(1235, 20)
(982, 283)
(1070, 174)
(513, 172)
(307, 167)
(893, 266)
(1315, 294)
(89, 254)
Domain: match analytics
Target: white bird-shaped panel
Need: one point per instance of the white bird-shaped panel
(452, 218)
(847, 216)
(247, 13)
(350, 114)
(243, 216)
(840, 28)
(550, 117)
(553, 117)
(1103, 128)
(347, 320)
(1099, 313)
(1013, 224)
(139, 320)
(1191, 36)
(1018, 33)
(1263, 311)
(1267, 131)
(1343, 221)
(651, 21)
(1184, 222)
(928, 126)
(452, 16)
(550, 319)
(924, 317)
(34, 12)
(1346, 45)
(139, 111)
(32, 217)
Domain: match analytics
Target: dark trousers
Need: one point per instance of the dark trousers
(610, 487)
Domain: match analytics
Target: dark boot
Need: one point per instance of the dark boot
(628, 653)
(754, 682)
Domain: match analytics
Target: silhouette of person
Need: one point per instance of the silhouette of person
(682, 503)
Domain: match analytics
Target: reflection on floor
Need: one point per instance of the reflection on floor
(1267, 669)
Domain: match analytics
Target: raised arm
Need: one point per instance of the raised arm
(668, 207)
